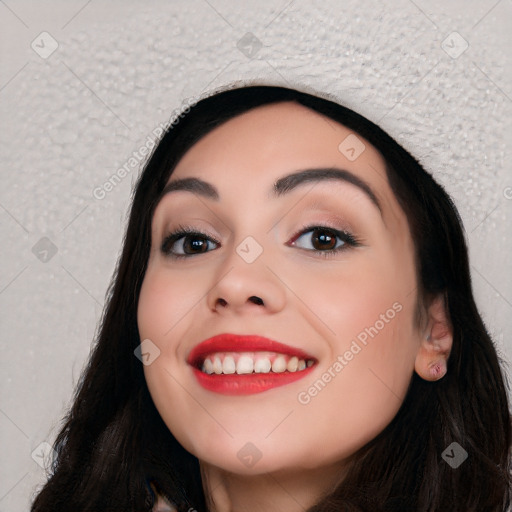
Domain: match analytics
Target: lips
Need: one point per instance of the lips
(235, 347)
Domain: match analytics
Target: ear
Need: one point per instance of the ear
(436, 343)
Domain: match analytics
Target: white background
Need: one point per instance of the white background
(70, 120)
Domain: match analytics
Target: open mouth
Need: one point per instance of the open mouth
(245, 364)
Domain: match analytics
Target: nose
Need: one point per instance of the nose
(247, 288)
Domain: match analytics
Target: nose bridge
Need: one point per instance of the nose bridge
(249, 240)
(246, 279)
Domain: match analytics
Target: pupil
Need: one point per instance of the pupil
(195, 243)
(323, 238)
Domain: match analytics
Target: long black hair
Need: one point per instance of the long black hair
(114, 443)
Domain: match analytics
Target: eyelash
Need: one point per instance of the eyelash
(347, 238)
(181, 232)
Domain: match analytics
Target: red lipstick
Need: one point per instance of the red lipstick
(247, 383)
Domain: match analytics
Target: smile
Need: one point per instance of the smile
(253, 362)
(240, 365)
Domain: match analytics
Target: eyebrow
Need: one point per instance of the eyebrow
(281, 187)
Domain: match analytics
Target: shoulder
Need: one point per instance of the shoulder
(162, 504)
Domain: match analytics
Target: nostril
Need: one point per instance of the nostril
(253, 298)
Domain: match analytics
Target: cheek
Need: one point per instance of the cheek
(162, 304)
(165, 300)
(162, 318)
(364, 377)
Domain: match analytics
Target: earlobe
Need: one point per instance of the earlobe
(436, 343)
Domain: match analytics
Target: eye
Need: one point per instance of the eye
(324, 240)
(186, 242)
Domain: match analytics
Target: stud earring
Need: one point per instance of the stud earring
(429, 337)
(437, 369)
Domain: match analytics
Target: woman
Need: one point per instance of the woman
(297, 287)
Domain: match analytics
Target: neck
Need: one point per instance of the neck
(292, 491)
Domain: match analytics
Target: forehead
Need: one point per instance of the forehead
(247, 154)
(245, 158)
(278, 138)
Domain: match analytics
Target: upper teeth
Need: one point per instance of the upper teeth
(252, 362)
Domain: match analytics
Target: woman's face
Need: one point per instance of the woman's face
(256, 267)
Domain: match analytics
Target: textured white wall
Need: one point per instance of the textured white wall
(72, 118)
